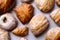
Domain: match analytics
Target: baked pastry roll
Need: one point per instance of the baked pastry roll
(6, 5)
(24, 12)
(38, 24)
(7, 21)
(22, 31)
(57, 2)
(26, 1)
(53, 34)
(4, 35)
(44, 5)
(22, 38)
(55, 15)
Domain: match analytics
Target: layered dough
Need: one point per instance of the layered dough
(55, 15)
(4, 35)
(7, 21)
(5, 5)
(57, 2)
(53, 34)
(24, 12)
(38, 24)
(22, 38)
(44, 5)
(22, 31)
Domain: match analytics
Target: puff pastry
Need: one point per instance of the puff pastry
(24, 12)
(57, 2)
(55, 15)
(38, 24)
(53, 34)
(5, 5)
(4, 35)
(44, 5)
(22, 38)
(22, 31)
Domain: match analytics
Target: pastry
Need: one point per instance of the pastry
(7, 21)
(38, 24)
(24, 12)
(4, 35)
(53, 34)
(44, 5)
(22, 38)
(55, 15)
(26, 1)
(57, 2)
(6, 5)
(22, 31)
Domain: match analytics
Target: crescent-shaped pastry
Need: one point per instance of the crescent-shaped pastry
(55, 15)
(53, 34)
(22, 31)
(38, 24)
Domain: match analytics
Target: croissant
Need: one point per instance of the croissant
(22, 31)
(57, 2)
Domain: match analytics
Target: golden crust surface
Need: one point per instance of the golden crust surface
(24, 12)
(58, 2)
(38, 24)
(5, 5)
(53, 34)
(44, 5)
(22, 31)
(55, 15)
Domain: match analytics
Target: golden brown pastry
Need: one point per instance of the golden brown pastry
(55, 15)
(53, 34)
(22, 31)
(4, 35)
(44, 5)
(57, 2)
(22, 38)
(24, 12)
(38, 24)
(26, 1)
(5, 5)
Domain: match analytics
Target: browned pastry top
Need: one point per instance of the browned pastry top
(24, 12)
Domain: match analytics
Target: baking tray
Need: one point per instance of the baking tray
(30, 35)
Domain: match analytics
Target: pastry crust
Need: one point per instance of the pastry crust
(22, 31)
(22, 38)
(5, 5)
(55, 15)
(4, 35)
(57, 2)
(7, 21)
(38, 24)
(24, 12)
(53, 34)
(44, 5)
